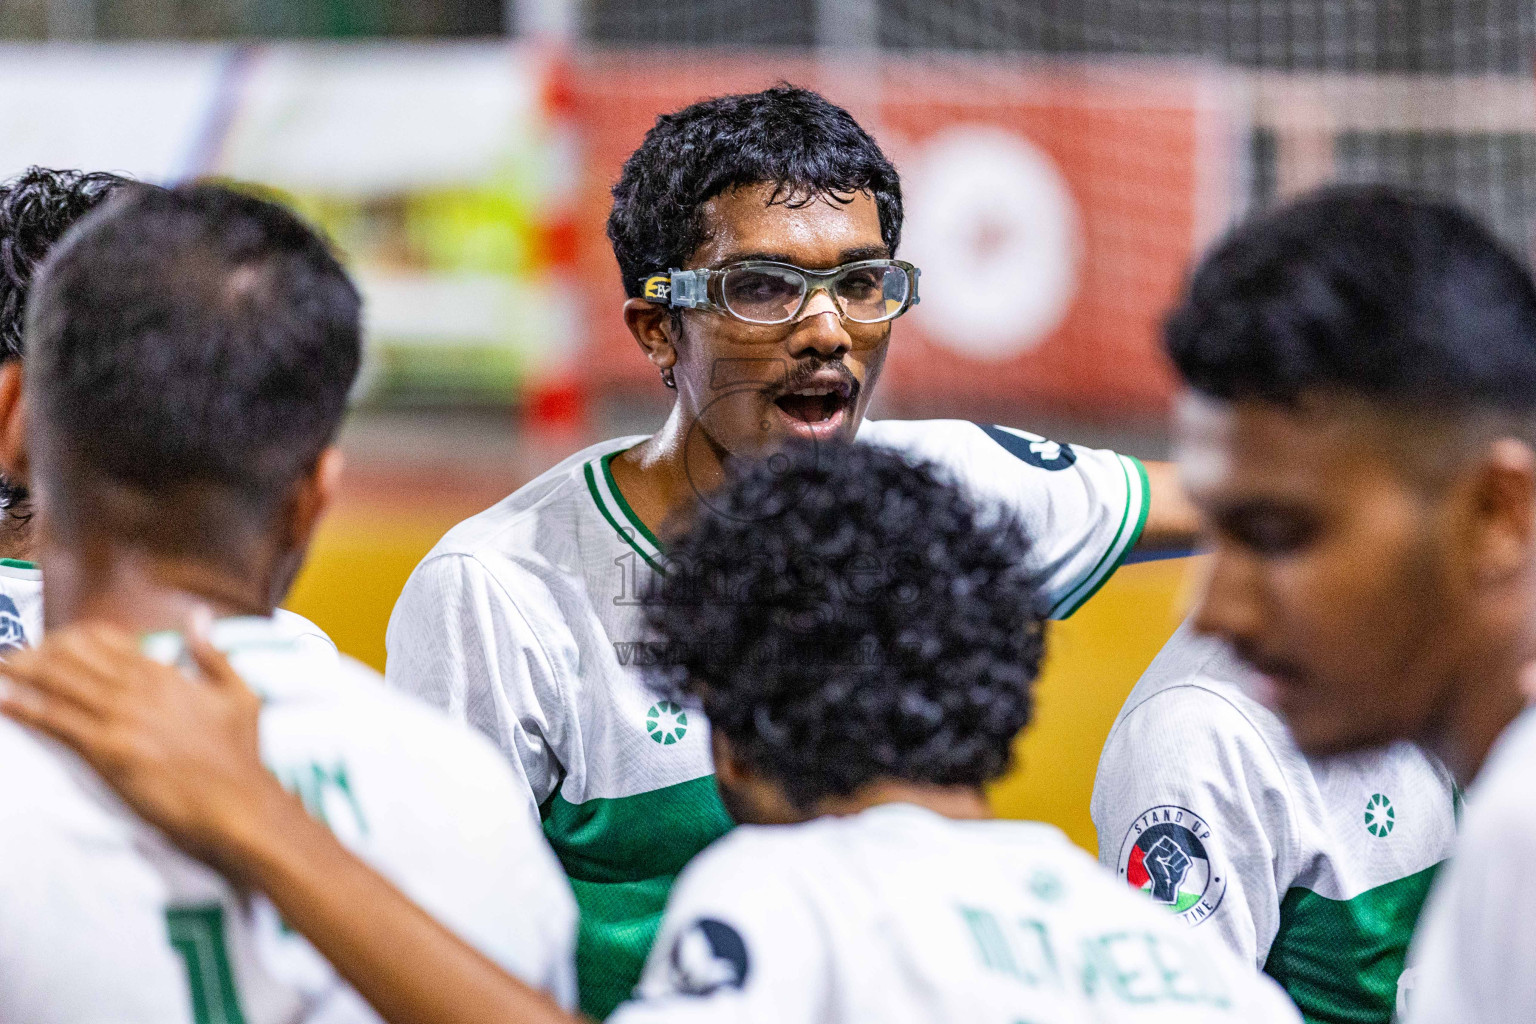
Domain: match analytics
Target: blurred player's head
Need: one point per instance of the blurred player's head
(36, 208)
(848, 620)
(189, 356)
(1359, 434)
(779, 175)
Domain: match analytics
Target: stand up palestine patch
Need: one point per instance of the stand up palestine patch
(1166, 854)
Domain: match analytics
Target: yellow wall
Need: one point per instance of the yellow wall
(1092, 661)
(363, 556)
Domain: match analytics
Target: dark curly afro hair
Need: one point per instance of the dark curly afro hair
(794, 139)
(846, 616)
(36, 208)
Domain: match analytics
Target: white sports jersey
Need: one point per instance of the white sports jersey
(425, 801)
(1474, 952)
(82, 914)
(1314, 869)
(900, 916)
(525, 621)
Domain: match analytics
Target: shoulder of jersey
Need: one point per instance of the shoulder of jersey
(563, 481)
(358, 692)
(901, 433)
(58, 789)
(782, 849)
(1198, 667)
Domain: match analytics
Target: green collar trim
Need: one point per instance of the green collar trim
(629, 513)
(610, 502)
(16, 563)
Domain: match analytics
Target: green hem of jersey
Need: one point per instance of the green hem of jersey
(626, 839)
(16, 563)
(621, 856)
(1340, 960)
(597, 499)
(1124, 552)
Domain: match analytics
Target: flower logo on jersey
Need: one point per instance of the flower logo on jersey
(1165, 855)
(666, 722)
(707, 956)
(1379, 816)
(13, 635)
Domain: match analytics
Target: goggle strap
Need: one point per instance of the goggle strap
(690, 288)
(686, 288)
(657, 288)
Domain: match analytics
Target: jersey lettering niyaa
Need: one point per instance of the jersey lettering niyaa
(525, 621)
(901, 916)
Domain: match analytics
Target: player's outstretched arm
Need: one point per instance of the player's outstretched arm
(184, 754)
(1172, 522)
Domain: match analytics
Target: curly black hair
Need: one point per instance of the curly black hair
(1363, 289)
(36, 208)
(845, 616)
(793, 139)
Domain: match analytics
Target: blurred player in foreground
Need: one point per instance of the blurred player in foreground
(863, 637)
(36, 209)
(755, 236)
(1361, 436)
(190, 357)
(1315, 868)
(82, 915)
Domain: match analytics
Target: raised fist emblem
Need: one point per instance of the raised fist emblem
(1166, 865)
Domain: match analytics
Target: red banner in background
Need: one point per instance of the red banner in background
(1053, 209)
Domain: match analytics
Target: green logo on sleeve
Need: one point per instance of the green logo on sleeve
(666, 722)
(1379, 816)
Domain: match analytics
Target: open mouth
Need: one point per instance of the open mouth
(813, 404)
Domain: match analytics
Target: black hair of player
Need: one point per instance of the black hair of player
(36, 208)
(845, 616)
(808, 148)
(1363, 290)
(191, 348)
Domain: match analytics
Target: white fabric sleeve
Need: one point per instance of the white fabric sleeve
(1083, 508)
(1473, 953)
(1186, 758)
(82, 916)
(740, 944)
(460, 640)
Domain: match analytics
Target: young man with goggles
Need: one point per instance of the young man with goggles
(782, 217)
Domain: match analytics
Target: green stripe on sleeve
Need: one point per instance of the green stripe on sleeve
(1122, 545)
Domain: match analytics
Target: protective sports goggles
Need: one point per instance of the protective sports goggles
(763, 292)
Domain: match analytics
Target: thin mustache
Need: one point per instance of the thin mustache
(804, 373)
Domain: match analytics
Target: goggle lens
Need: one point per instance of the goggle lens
(763, 295)
(774, 295)
(869, 295)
